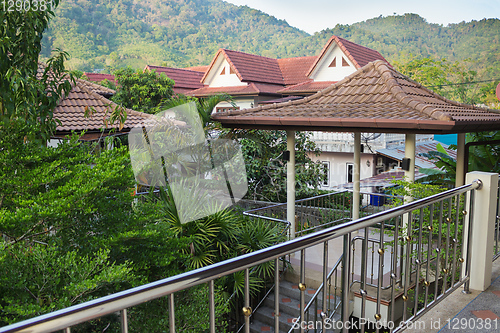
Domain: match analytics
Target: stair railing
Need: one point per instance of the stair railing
(326, 294)
(454, 255)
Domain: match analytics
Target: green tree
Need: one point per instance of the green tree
(142, 90)
(266, 169)
(23, 95)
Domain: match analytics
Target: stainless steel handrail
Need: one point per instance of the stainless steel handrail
(76, 314)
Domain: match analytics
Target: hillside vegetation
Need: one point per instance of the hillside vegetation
(107, 34)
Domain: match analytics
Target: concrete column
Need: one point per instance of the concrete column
(483, 229)
(355, 177)
(410, 153)
(290, 182)
(460, 168)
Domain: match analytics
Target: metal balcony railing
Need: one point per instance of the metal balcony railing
(430, 233)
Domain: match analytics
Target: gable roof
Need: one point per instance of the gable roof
(97, 88)
(359, 55)
(250, 67)
(294, 70)
(376, 98)
(97, 77)
(185, 80)
(71, 110)
(202, 69)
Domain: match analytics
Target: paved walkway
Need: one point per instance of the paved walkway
(476, 312)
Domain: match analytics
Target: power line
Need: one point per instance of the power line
(462, 83)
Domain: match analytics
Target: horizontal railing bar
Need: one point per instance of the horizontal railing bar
(378, 194)
(267, 218)
(108, 304)
(296, 201)
(321, 226)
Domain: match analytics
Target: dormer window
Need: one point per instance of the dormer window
(231, 70)
(344, 63)
(333, 63)
(223, 71)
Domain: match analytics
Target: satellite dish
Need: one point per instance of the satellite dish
(498, 91)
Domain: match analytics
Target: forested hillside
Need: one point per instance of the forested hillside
(107, 34)
(115, 33)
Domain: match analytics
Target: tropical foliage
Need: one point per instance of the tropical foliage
(142, 90)
(23, 96)
(266, 168)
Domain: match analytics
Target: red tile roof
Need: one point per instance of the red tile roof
(250, 67)
(250, 89)
(97, 77)
(294, 70)
(198, 68)
(71, 110)
(97, 88)
(308, 87)
(359, 55)
(375, 98)
(184, 79)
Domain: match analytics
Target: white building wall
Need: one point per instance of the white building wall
(325, 73)
(215, 79)
(242, 103)
(338, 166)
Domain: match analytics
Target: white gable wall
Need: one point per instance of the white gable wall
(214, 79)
(324, 73)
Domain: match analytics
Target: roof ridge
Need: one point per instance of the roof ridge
(313, 56)
(251, 54)
(174, 68)
(346, 51)
(401, 96)
(91, 83)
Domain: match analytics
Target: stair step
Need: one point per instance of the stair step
(265, 315)
(259, 327)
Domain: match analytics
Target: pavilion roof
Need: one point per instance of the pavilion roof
(376, 98)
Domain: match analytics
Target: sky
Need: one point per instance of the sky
(315, 15)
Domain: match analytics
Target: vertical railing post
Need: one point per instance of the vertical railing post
(483, 229)
(124, 320)
(247, 310)
(211, 305)
(345, 282)
(171, 313)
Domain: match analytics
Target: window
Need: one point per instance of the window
(231, 70)
(350, 172)
(344, 63)
(326, 168)
(333, 63)
(226, 108)
(223, 71)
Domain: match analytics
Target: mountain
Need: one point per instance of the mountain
(107, 34)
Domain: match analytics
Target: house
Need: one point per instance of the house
(88, 97)
(185, 80)
(254, 80)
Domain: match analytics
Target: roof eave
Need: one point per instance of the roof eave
(338, 124)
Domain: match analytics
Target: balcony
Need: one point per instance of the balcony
(389, 267)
